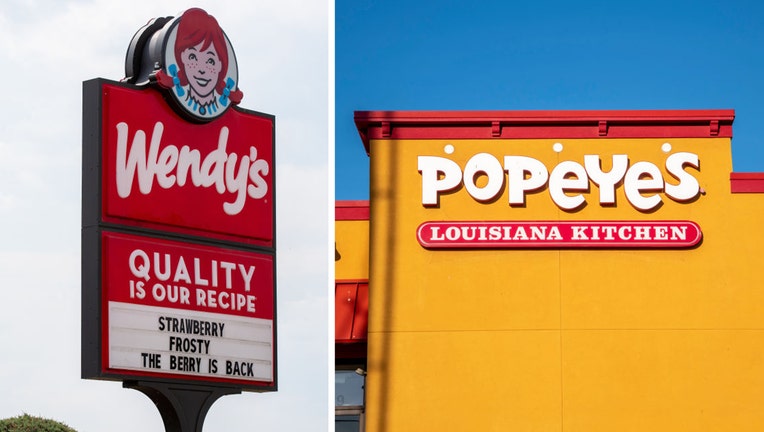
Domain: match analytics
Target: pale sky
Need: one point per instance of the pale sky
(49, 47)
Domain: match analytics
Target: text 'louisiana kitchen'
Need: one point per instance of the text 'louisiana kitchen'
(643, 183)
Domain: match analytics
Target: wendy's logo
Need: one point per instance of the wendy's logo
(191, 58)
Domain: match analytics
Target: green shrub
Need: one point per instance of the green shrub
(27, 423)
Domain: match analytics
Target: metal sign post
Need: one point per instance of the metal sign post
(183, 407)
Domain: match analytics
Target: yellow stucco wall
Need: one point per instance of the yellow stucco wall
(351, 250)
(572, 339)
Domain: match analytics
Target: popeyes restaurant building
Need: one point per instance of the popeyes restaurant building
(551, 271)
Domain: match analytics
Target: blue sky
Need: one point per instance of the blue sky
(546, 55)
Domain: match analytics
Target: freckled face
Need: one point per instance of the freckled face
(202, 68)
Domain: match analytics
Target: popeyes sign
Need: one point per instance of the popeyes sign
(178, 216)
(484, 177)
(642, 181)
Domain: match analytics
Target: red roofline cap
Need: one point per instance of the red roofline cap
(351, 210)
(543, 124)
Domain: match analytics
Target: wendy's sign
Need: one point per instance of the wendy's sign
(178, 230)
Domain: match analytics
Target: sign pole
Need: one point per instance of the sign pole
(183, 407)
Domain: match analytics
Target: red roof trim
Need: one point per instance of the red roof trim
(747, 182)
(351, 210)
(543, 124)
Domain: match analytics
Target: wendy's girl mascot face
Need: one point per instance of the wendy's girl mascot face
(197, 63)
(201, 69)
(202, 55)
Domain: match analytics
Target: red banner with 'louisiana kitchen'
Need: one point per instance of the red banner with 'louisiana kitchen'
(559, 234)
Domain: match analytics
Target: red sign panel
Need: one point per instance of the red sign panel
(187, 276)
(178, 242)
(162, 172)
(559, 234)
(173, 308)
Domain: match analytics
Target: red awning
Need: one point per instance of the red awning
(351, 310)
